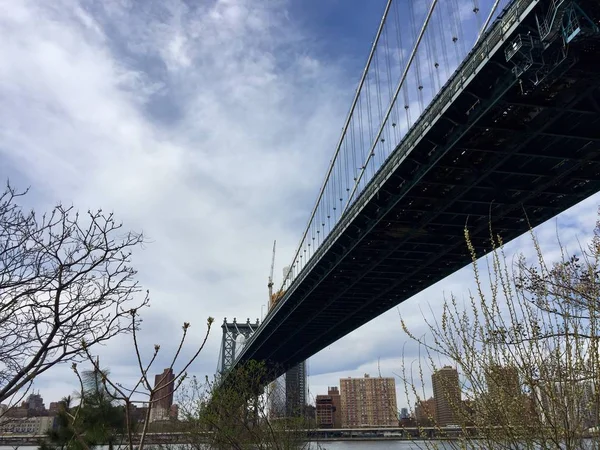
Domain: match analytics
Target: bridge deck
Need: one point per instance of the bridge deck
(501, 149)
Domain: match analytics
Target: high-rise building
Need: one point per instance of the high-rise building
(287, 394)
(446, 394)
(162, 398)
(35, 404)
(404, 413)
(163, 385)
(334, 393)
(325, 411)
(295, 390)
(328, 409)
(368, 402)
(276, 398)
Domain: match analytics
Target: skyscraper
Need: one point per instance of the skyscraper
(35, 404)
(446, 395)
(276, 398)
(162, 398)
(404, 413)
(295, 390)
(368, 402)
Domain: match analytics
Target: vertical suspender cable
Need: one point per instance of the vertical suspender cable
(350, 161)
(436, 61)
(444, 48)
(369, 115)
(476, 11)
(487, 21)
(401, 59)
(348, 118)
(340, 188)
(361, 142)
(431, 64)
(401, 82)
(452, 5)
(390, 92)
(417, 56)
(459, 26)
(379, 107)
(347, 161)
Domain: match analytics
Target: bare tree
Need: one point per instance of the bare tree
(142, 393)
(65, 280)
(526, 345)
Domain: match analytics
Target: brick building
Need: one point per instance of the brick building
(446, 393)
(325, 411)
(425, 413)
(368, 402)
(162, 400)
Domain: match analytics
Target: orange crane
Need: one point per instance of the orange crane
(270, 285)
(273, 297)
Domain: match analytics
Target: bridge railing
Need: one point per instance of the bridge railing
(395, 93)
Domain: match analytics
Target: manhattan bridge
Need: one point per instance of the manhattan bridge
(467, 111)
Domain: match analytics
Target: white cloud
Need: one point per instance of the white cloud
(205, 128)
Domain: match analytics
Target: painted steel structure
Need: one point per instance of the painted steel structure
(512, 137)
(293, 389)
(234, 337)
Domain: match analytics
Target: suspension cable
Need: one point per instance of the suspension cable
(476, 11)
(487, 21)
(401, 82)
(453, 7)
(339, 145)
(443, 42)
(413, 23)
(436, 63)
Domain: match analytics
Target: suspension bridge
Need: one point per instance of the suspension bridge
(464, 113)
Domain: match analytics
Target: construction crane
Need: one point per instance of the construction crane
(270, 285)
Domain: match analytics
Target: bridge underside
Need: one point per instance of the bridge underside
(504, 151)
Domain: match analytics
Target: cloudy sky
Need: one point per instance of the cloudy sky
(208, 125)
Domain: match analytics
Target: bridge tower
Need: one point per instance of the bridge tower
(234, 338)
